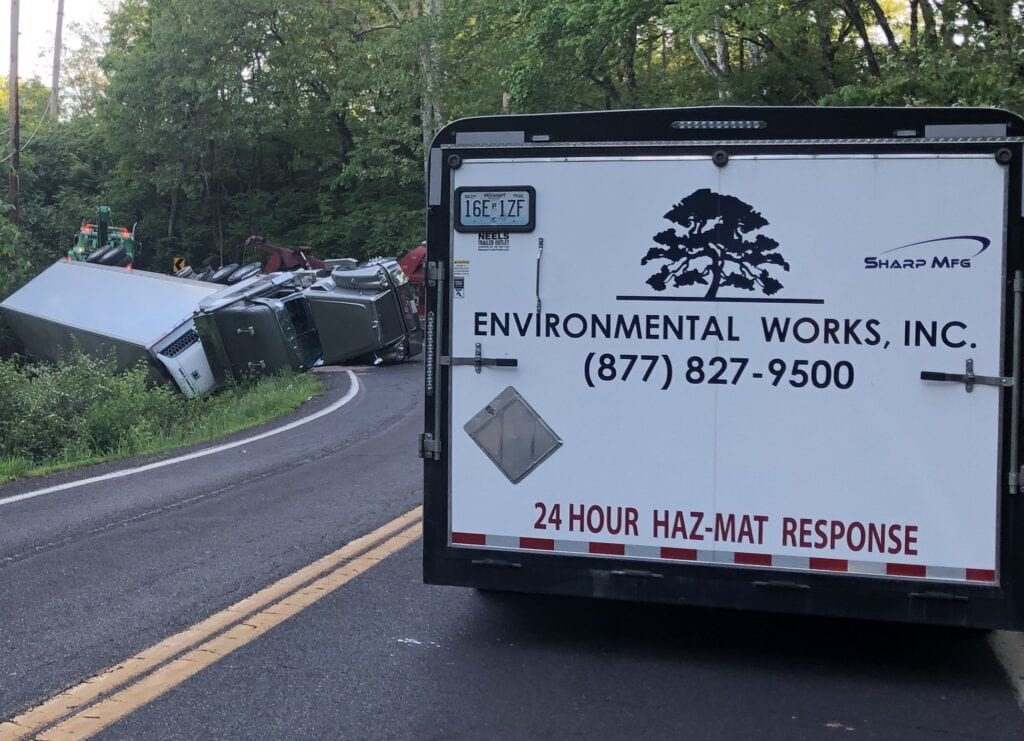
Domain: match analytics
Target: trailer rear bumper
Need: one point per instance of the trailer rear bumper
(747, 588)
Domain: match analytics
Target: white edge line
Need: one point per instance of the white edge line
(1009, 649)
(349, 395)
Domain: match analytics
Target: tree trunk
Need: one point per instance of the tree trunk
(432, 114)
(947, 24)
(220, 233)
(13, 117)
(930, 29)
(55, 85)
(913, 22)
(989, 18)
(702, 56)
(883, 23)
(721, 49)
(853, 13)
(754, 53)
(629, 67)
(612, 99)
(174, 212)
(827, 51)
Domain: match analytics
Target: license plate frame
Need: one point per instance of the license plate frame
(502, 208)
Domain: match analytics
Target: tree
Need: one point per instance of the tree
(210, 120)
(14, 256)
(83, 81)
(299, 122)
(714, 250)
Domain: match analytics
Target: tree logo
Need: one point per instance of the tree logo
(715, 250)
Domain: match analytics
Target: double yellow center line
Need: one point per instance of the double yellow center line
(105, 698)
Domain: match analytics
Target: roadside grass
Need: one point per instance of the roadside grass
(80, 412)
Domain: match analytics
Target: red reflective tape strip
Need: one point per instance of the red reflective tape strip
(680, 554)
(752, 559)
(469, 539)
(980, 575)
(829, 564)
(537, 544)
(905, 569)
(608, 549)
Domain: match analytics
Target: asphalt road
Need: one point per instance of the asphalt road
(93, 575)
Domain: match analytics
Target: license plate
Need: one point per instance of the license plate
(510, 209)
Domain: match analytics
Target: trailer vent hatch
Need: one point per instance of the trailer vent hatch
(512, 435)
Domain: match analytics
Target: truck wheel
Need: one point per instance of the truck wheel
(114, 256)
(246, 271)
(97, 255)
(221, 275)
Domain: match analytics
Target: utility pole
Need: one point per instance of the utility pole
(55, 87)
(15, 143)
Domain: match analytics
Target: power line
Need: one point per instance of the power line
(32, 136)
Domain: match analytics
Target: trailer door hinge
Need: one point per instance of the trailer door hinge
(968, 379)
(430, 449)
(478, 361)
(435, 273)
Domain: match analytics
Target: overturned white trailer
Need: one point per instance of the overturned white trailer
(101, 310)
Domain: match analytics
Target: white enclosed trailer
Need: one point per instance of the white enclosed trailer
(737, 357)
(131, 315)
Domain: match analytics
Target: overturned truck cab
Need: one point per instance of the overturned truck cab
(258, 326)
(366, 313)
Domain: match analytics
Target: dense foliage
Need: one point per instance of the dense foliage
(206, 121)
(82, 411)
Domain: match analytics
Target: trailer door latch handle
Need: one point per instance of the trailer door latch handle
(478, 361)
(968, 379)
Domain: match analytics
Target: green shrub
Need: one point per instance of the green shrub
(81, 410)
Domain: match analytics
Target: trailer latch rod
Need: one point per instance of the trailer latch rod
(968, 379)
(540, 254)
(478, 361)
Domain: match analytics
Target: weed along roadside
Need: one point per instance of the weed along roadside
(81, 411)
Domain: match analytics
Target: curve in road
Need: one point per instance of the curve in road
(335, 406)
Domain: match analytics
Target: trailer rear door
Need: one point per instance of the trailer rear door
(761, 362)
